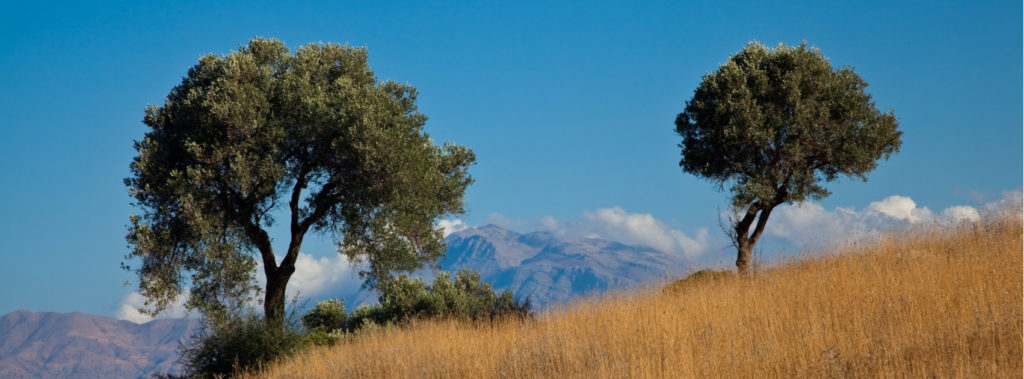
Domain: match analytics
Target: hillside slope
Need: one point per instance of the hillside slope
(930, 302)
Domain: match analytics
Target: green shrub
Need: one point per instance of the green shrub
(325, 322)
(321, 337)
(507, 306)
(237, 345)
(462, 297)
(400, 299)
(327, 316)
(365, 316)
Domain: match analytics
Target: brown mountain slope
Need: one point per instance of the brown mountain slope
(56, 345)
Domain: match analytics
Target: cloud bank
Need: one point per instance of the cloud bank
(617, 224)
(450, 226)
(804, 226)
(319, 277)
(809, 225)
(130, 304)
(642, 228)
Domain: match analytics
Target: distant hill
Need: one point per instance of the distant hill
(551, 269)
(77, 345)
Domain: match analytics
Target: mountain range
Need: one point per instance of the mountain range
(550, 269)
(57, 345)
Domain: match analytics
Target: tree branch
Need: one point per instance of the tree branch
(298, 227)
(321, 205)
(744, 225)
(300, 184)
(258, 236)
(761, 221)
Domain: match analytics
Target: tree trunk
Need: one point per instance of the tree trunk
(745, 239)
(743, 254)
(277, 278)
(277, 281)
(273, 302)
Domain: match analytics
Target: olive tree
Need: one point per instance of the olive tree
(263, 132)
(773, 126)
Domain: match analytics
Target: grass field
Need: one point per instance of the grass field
(933, 301)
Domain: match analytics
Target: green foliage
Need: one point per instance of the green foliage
(774, 123)
(368, 317)
(230, 346)
(325, 323)
(699, 277)
(328, 315)
(462, 297)
(322, 337)
(506, 305)
(313, 133)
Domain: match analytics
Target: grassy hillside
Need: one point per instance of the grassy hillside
(934, 301)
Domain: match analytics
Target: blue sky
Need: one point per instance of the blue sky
(569, 107)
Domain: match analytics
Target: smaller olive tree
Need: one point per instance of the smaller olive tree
(773, 125)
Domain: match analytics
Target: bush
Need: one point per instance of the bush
(324, 338)
(462, 297)
(366, 316)
(327, 316)
(507, 306)
(237, 345)
(325, 322)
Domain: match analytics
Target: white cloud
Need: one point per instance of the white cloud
(130, 304)
(450, 226)
(315, 277)
(961, 213)
(1011, 201)
(901, 208)
(810, 219)
(549, 223)
(642, 228)
(617, 224)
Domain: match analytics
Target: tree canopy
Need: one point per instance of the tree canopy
(261, 132)
(773, 125)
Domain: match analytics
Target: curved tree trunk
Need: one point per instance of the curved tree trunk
(745, 239)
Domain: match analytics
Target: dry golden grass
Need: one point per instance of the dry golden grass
(930, 302)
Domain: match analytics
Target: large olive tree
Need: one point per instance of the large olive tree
(312, 136)
(773, 125)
